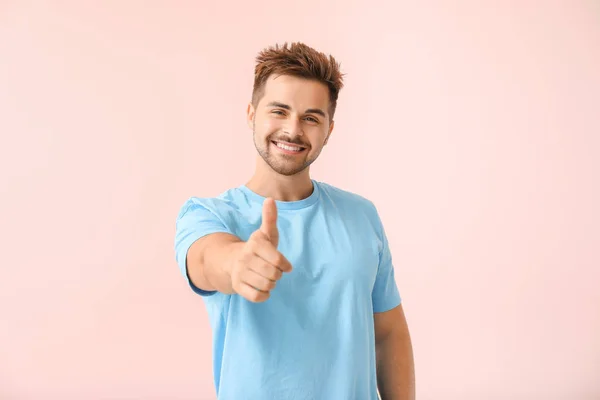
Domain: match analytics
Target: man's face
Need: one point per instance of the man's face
(291, 123)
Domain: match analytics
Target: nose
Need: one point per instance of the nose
(293, 127)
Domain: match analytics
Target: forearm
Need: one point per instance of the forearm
(211, 261)
(395, 367)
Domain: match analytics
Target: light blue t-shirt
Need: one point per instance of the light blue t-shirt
(314, 337)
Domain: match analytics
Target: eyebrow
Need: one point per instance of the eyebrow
(309, 111)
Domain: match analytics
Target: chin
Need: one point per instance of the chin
(287, 171)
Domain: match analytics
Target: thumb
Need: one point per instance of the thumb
(269, 221)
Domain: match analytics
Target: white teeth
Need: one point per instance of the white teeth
(286, 147)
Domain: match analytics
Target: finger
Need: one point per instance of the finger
(267, 251)
(269, 221)
(257, 281)
(251, 294)
(265, 269)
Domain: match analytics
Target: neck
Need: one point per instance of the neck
(269, 183)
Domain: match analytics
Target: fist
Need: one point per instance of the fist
(259, 265)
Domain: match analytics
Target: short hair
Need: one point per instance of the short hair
(299, 60)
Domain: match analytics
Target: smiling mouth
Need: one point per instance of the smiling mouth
(288, 148)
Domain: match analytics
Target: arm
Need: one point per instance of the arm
(395, 362)
(210, 260)
(214, 259)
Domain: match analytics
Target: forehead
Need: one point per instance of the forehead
(297, 92)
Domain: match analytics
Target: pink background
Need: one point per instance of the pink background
(474, 126)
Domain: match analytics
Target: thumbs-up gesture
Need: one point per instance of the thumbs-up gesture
(259, 265)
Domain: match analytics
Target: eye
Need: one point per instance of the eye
(278, 112)
(312, 119)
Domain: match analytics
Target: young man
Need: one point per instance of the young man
(296, 274)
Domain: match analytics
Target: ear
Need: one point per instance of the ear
(331, 124)
(250, 112)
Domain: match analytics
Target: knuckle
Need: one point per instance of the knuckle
(257, 297)
(253, 296)
(270, 271)
(268, 285)
(257, 237)
(279, 259)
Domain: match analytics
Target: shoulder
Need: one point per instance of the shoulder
(224, 202)
(344, 197)
(340, 195)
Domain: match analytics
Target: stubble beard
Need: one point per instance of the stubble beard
(280, 163)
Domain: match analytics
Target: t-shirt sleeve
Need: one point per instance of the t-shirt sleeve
(196, 219)
(385, 294)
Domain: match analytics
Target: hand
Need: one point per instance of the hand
(259, 265)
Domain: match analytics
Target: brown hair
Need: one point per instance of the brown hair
(301, 61)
